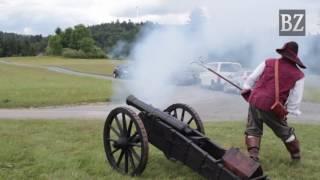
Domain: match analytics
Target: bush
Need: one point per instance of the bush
(72, 53)
(97, 53)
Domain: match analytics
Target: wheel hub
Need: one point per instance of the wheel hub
(122, 143)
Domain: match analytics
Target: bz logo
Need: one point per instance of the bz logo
(292, 22)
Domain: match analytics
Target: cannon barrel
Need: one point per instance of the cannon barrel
(165, 117)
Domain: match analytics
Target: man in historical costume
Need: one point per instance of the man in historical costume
(260, 92)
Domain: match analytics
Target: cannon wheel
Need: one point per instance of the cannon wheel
(187, 115)
(125, 141)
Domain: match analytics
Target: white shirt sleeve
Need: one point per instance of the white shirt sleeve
(295, 98)
(254, 76)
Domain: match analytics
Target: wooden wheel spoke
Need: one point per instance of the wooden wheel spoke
(129, 128)
(190, 121)
(175, 114)
(126, 162)
(131, 159)
(135, 144)
(111, 140)
(133, 136)
(135, 154)
(115, 150)
(124, 123)
(119, 125)
(120, 158)
(182, 114)
(115, 131)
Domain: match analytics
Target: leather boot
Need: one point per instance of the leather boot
(294, 149)
(253, 146)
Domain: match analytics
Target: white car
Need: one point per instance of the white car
(226, 69)
(238, 79)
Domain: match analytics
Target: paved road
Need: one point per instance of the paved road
(211, 105)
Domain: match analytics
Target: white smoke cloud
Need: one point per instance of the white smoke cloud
(213, 28)
(155, 63)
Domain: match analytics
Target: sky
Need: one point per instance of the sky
(43, 16)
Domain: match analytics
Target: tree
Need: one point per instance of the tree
(58, 31)
(108, 35)
(87, 44)
(25, 48)
(66, 37)
(79, 32)
(12, 44)
(54, 45)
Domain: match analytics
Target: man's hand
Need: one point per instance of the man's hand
(245, 93)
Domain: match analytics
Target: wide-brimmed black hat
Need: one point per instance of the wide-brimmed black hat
(290, 51)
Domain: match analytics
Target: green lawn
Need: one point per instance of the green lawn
(312, 88)
(71, 149)
(96, 66)
(33, 87)
(312, 95)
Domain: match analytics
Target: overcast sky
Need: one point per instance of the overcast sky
(43, 16)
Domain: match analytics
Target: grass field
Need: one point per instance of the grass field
(33, 87)
(312, 90)
(70, 149)
(96, 66)
(312, 95)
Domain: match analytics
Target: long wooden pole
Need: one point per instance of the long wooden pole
(219, 75)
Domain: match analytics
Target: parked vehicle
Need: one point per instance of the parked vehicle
(245, 75)
(122, 71)
(238, 79)
(227, 69)
(185, 76)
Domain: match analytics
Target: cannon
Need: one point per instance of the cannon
(179, 133)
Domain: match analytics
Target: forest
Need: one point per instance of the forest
(12, 44)
(79, 41)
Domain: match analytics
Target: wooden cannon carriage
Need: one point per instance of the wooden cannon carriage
(178, 132)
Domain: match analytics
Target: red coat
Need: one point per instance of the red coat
(263, 92)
